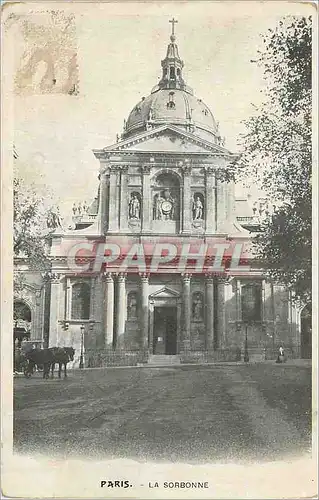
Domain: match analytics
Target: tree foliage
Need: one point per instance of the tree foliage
(277, 152)
(31, 235)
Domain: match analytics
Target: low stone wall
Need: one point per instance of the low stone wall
(220, 355)
(109, 357)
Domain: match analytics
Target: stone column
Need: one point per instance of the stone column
(68, 299)
(42, 312)
(120, 308)
(220, 339)
(113, 205)
(210, 331)
(238, 303)
(144, 310)
(54, 310)
(186, 310)
(210, 200)
(146, 198)
(98, 310)
(231, 202)
(186, 221)
(123, 198)
(103, 203)
(36, 333)
(109, 310)
(221, 194)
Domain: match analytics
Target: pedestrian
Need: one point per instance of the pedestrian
(281, 355)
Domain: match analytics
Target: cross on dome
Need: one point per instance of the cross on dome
(173, 22)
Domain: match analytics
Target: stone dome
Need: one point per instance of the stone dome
(176, 107)
(172, 102)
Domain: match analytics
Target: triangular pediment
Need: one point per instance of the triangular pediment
(165, 292)
(167, 138)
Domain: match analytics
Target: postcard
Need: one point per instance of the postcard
(159, 224)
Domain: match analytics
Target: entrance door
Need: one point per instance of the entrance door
(165, 330)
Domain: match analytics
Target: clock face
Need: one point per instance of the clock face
(166, 206)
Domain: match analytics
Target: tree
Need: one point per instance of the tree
(277, 153)
(33, 225)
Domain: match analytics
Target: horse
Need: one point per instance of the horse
(39, 357)
(62, 355)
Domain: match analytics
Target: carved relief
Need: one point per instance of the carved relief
(164, 206)
(165, 197)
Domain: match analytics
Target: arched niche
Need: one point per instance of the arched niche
(198, 206)
(132, 306)
(135, 206)
(166, 197)
(197, 307)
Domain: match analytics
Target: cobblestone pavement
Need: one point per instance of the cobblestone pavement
(194, 413)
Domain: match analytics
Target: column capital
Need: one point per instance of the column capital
(210, 278)
(186, 169)
(223, 280)
(186, 278)
(104, 175)
(120, 277)
(108, 277)
(210, 170)
(113, 168)
(54, 277)
(144, 277)
(123, 169)
(146, 168)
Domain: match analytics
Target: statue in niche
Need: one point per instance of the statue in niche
(198, 307)
(164, 206)
(158, 215)
(132, 306)
(198, 208)
(134, 207)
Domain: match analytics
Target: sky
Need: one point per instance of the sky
(119, 51)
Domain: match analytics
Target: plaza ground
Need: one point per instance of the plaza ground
(228, 413)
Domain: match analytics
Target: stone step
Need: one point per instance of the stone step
(164, 359)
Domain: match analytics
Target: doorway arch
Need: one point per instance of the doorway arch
(22, 320)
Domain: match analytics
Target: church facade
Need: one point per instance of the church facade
(164, 201)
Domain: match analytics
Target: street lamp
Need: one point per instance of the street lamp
(81, 365)
(246, 355)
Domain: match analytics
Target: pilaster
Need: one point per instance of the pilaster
(209, 282)
(120, 308)
(186, 216)
(54, 309)
(210, 199)
(220, 338)
(123, 198)
(113, 202)
(109, 309)
(146, 201)
(104, 181)
(186, 310)
(144, 310)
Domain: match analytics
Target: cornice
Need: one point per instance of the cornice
(120, 147)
